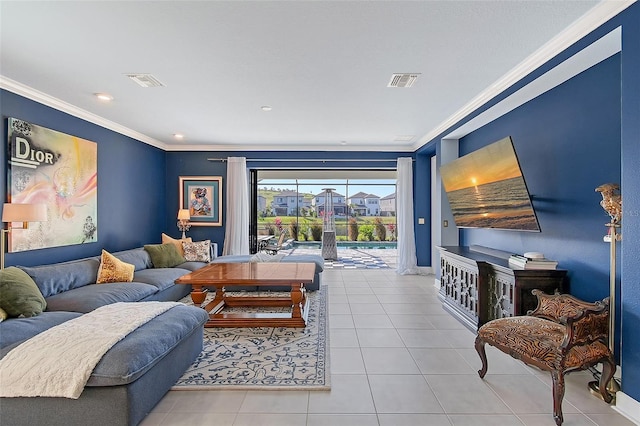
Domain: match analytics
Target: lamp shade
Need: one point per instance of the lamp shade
(24, 212)
(183, 214)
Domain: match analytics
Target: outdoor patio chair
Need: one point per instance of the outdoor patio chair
(275, 248)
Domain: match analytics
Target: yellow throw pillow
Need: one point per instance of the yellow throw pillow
(3, 315)
(178, 243)
(114, 270)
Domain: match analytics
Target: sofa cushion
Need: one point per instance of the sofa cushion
(294, 258)
(306, 258)
(14, 330)
(164, 255)
(86, 299)
(162, 278)
(233, 258)
(139, 257)
(199, 251)
(19, 295)
(133, 356)
(178, 243)
(113, 270)
(266, 257)
(191, 266)
(60, 277)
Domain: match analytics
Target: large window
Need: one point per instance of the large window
(294, 202)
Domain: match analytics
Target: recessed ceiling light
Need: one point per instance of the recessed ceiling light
(266, 108)
(343, 142)
(103, 96)
(178, 135)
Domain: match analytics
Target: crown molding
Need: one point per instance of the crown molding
(598, 51)
(50, 101)
(590, 21)
(301, 148)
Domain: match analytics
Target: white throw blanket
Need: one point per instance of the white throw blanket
(59, 361)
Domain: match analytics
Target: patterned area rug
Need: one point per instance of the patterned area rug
(265, 358)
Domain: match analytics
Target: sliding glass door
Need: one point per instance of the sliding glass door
(292, 201)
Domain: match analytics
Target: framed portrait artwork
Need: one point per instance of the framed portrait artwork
(202, 196)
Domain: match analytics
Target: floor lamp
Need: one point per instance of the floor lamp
(612, 204)
(24, 213)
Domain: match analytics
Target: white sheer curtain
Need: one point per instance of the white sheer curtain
(407, 260)
(236, 237)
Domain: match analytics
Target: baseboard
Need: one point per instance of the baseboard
(628, 407)
(419, 270)
(425, 270)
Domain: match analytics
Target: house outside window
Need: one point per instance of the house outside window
(298, 203)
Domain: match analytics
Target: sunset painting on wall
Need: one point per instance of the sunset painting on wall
(486, 189)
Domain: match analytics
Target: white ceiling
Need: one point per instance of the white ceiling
(323, 66)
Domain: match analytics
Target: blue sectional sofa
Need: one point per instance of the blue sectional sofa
(136, 372)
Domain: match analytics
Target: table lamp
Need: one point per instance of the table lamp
(24, 213)
(183, 221)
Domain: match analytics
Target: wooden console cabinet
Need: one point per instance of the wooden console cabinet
(477, 285)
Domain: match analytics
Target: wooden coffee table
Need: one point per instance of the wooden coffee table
(224, 276)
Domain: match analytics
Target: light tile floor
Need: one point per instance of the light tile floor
(397, 359)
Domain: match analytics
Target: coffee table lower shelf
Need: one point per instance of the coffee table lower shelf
(262, 275)
(296, 318)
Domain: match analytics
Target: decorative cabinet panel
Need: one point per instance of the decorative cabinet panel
(477, 285)
(459, 287)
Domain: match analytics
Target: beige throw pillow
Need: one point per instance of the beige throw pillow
(199, 251)
(114, 270)
(178, 243)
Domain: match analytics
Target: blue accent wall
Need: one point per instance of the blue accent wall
(630, 292)
(131, 198)
(568, 143)
(422, 208)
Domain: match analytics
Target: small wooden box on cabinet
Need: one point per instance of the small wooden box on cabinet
(477, 285)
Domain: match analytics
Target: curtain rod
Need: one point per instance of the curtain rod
(312, 160)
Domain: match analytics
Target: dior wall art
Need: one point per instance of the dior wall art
(60, 171)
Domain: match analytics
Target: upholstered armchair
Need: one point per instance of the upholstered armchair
(563, 334)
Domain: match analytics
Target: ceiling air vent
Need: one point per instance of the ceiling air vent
(145, 80)
(403, 80)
